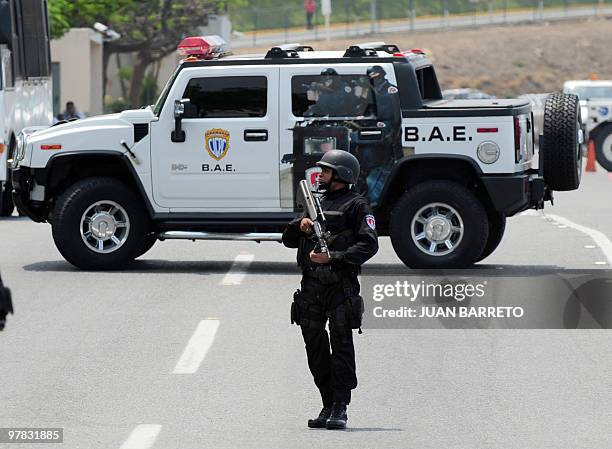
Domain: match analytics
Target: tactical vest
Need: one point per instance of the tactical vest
(337, 224)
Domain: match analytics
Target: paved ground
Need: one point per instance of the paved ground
(367, 27)
(177, 353)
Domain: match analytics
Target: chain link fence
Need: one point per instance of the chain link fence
(286, 21)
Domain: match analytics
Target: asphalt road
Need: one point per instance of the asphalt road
(192, 348)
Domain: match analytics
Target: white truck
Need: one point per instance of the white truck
(596, 107)
(25, 80)
(221, 153)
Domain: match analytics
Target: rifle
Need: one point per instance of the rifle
(312, 206)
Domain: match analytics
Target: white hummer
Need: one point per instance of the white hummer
(221, 153)
(25, 81)
(596, 107)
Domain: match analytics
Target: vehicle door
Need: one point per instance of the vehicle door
(229, 159)
(318, 114)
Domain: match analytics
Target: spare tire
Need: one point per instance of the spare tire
(563, 138)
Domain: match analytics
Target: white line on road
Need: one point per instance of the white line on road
(238, 270)
(199, 344)
(142, 437)
(598, 237)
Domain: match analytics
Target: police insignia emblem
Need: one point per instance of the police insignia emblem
(217, 142)
(370, 221)
(392, 90)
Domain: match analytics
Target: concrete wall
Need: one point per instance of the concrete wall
(79, 53)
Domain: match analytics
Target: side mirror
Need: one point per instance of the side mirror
(179, 109)
(178, 135)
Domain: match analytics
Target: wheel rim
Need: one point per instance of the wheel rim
(437, 229)
(105, 227)
(606, 147)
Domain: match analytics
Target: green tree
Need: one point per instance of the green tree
(151, 29)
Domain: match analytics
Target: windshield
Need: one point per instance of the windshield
(590, 92)
(164, 93)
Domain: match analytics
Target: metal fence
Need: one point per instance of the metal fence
(260, 24)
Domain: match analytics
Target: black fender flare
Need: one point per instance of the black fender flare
(408, 161)
(43, 176)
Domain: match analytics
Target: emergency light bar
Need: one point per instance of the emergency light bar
(204, 47)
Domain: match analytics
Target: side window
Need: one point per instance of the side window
(428, 84)
(331, 96)
(228, 96)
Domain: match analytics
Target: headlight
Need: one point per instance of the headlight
(488, 152)
(19, 153)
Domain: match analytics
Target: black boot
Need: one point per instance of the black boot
(338, 418)
(320, 421)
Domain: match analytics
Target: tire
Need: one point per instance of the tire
(422, 208)
(6, 191)
(99, 224)
(603, 146)
(562, 149)
(6, 199)
(149, 241)
(497, 227)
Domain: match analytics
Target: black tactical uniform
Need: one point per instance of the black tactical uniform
(6, 305)
(388, 113)
(325, 289)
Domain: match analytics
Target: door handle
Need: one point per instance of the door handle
(255, 135)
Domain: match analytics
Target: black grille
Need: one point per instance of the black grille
(140, 131)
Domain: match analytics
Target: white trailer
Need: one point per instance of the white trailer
(25, 80)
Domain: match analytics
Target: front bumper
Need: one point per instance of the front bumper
(511, 194)
(22, 180)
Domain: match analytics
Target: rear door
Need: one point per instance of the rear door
(229, 160)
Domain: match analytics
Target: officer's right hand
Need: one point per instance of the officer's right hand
(306, 226)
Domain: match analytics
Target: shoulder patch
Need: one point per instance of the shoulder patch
(392, 90)
(370, 221)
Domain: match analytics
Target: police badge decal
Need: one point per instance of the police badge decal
(217, 142)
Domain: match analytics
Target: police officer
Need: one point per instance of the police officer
(329, 286)
(6, 305)
(386, 100)
(333, 96)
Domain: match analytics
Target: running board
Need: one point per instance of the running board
(251, 236)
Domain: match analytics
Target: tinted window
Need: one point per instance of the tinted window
(428, 84)
(228, 96)
(334, 96)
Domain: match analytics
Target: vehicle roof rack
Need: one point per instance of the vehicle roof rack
(279, 53)
(296, 47)
(381, 46)
(355, 51)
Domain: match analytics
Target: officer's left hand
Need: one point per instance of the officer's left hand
(321, 258)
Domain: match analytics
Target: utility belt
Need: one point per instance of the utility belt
(306, 313)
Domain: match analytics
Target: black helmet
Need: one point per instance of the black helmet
(343, 163)
(329, 72)
(376, 72)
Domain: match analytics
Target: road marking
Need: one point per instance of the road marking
(142, 437)
(238, 270)
(601, 263)
(199, 344)
(590, 246)
(598, 237)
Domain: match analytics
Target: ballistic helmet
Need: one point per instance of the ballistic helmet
(343, 163)
(376, 72)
